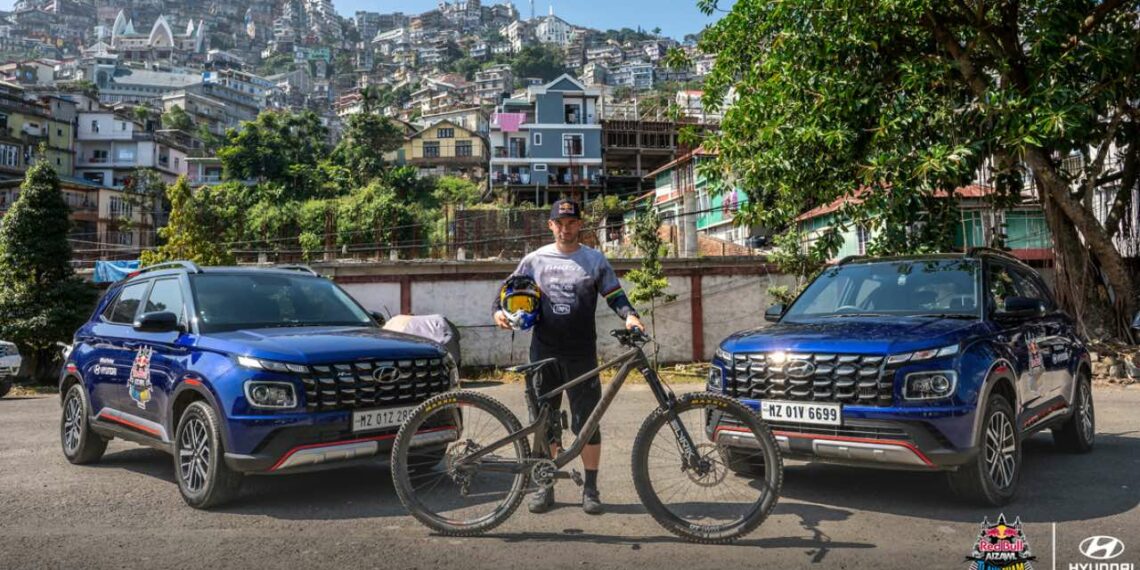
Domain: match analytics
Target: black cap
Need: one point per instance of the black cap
(565, 209)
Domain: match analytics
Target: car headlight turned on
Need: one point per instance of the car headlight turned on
(932, 385)
(270, 395)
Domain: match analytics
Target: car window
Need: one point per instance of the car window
(258, 300)
(1001, 285)
(166, 295)
(127, 305)
(1031, 286)
(904, 288)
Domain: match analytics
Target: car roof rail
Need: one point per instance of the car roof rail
(187, 265)
(295, 267)
(974, 251)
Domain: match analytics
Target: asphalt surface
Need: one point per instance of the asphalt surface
(126, 512)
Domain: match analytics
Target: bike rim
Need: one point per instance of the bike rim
(72, 424)
(1086, 413)
(458, 497)
(194, 455)
(713, 500)
(1001, 451)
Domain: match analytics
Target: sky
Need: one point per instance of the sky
(675, 17)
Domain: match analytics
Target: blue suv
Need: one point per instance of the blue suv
(238, 370)
(941, 362)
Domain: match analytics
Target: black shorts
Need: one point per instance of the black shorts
(583, 397)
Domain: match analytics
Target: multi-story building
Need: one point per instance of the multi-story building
(215, 114)
(474, 119)
(518, 34)
(493, 83)
(637, 75)
(594, 74)
(119, 84)
(443, 93)
(447, 149)
(27, 123)
(160, 44)
(548, 142)
(110, 149)
(553, 30)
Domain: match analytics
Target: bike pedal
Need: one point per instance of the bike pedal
(576, 477)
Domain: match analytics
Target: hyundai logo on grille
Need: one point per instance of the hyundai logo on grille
(1102, 547)
(799, 369)
(386, 375)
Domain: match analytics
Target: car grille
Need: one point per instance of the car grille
(843, 378)
(355, 385)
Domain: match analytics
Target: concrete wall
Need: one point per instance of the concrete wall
(732, 296)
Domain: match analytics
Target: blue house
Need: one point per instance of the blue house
(548, 143)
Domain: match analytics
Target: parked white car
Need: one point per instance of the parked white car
(10, 361)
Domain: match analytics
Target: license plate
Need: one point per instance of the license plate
(368, 420)
(801, 412)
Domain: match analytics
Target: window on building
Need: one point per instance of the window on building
(573, 114)
(94, 126)
(99, 156)
(537, 139)
(121, 208)
(572, 145)
(9, 155)
(122, 125)
(863, 235)
(431, 150)
(463, 148)
(445, 134)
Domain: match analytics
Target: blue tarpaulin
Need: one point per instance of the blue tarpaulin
(111, 271)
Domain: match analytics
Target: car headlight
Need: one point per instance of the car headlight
(929, 385)
(715, 378)
(272, 366)
(923, 354)
(270, 395)
(723, 354)
(452, 370)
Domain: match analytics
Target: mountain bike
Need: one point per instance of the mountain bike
(687, 477)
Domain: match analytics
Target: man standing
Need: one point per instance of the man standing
(571, 277)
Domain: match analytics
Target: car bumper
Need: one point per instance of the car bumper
(323, 444)
(894, 444)
(9, 366)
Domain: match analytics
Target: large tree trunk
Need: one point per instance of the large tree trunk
(1081, 288)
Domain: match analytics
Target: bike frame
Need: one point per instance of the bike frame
(629, 360)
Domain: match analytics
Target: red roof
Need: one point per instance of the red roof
(971, 191)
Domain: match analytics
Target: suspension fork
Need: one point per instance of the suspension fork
(667, 402)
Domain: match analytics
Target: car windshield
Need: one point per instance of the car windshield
(232, 301)
(937, 288)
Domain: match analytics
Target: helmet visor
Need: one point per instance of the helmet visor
(515, 303)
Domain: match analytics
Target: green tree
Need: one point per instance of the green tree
(900, 101)
(367, 136)
(539, 61)
(188, 235)
(456, 191)
(41, 299)
(176, 118)
(650, 285)
(266, 148)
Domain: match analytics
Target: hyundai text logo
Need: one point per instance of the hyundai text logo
(799, 369)
(1102, 547)
(386, 375)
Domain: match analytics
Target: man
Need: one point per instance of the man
(571, 277)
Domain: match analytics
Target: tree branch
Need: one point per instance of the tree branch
(1124, 194)
(1090, 23)
(1094, 170)
(965, 66)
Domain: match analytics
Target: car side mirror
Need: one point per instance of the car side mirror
(378, 317)
(1021, 308)
(774, 313)
(157, 322)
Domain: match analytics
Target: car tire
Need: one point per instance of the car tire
(1078, 434)
(991, 477)
(81, 445)
(5, 386)
(204, 479)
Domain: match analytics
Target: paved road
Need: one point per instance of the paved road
(126, 511)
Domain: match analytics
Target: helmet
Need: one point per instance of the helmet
(520, 299)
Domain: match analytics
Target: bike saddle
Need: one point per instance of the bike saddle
(533, 365)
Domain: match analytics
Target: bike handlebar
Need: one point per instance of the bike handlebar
(632, 338)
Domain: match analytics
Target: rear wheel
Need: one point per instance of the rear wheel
(80, 443)
(991, 478)
(451, 496)
(709, 502)
(1078, 434)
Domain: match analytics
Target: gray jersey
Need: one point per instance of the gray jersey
(571, 284)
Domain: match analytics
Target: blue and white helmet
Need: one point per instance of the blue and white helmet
(521, 301)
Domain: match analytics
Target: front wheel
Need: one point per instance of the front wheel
(448, 494)
(709, 502)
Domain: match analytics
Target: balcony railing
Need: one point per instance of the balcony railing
(503, 152)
